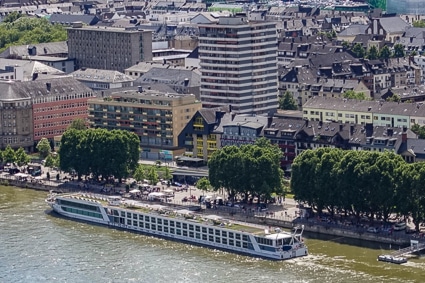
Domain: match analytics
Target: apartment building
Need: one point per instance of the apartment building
(156, 117)
(107, 47)
(378, 113)
(238, 61)
(16, 116)
(56, 103)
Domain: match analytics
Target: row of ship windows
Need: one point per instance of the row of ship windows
(177, 224)
(82, 212)
(180, 232)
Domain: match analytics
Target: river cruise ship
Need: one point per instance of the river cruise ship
(183, 225)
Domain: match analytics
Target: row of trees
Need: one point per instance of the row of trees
(373, 53)
(360, 183)
(248, 170)
(150, 173)
(19, 156)
(99, 152)
(17, 29)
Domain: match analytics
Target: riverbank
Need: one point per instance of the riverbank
(277, 216)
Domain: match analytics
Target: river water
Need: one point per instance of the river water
(37, 246)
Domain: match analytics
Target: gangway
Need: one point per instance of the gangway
(399, 255)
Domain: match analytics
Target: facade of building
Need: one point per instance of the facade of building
(16, 116)
(378, 113)
(108, 48)
(157, 118)
(238, 62)
(200, 137)
(56, 103)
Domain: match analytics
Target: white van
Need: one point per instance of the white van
(400, 226)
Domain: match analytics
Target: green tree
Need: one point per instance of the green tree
(152, 175)
(411, 192)
(21, 157)
(247, 170)
(359, 51)
(398, 50)
(100, 152)
(394, 98)
(372, 53)
(287, 102)
(78, 124)
(384, 53)
(10, 18)
(50, 161)
(419, 24)
(167, 174)
(140, 173)
(203, 184)
(21, 30)
(351, 94)
(420, 131)
(345, 45)
(9, 155)
(43, 147)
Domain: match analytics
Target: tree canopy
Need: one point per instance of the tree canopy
(287, 102)
(43, 147)
(99, 152)
(20, 30)
(78, 124)
(249, 170)
(419, 130)
(398, 50)
(351, 94)
(359, 183)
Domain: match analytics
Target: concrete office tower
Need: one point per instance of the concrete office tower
(108, 48)
(238, 61)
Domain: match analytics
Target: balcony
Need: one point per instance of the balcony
(167, 115)
(131, 126)
(118, 125)
(130, 112)
(105, 123)
(118, 118)
(105, 117)
(198, 125)
(131, 119)
(118, 110)
(104, 110)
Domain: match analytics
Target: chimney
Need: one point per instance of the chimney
(390, 132)
(351, 129)
(186, 82)
(341, 127)
(140, 89)
(48, 86)
(230, 108)
(404, 137)
(269, 120)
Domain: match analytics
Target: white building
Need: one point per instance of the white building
(238, 61)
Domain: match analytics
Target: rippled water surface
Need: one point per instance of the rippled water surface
(36, 246)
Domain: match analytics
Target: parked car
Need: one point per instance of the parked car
(372, 230)
(177, 184)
